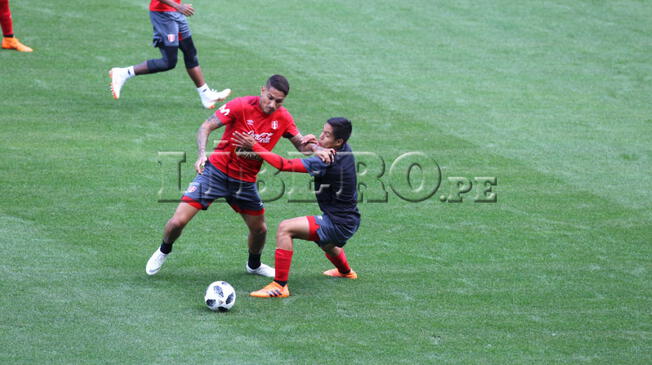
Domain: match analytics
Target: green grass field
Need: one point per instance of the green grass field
(553, 98)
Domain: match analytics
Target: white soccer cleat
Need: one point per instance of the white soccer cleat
(262, 270)
(210, 97)
(155, 262)
(118, 78)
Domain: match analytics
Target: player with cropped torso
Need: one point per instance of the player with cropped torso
(171, 33)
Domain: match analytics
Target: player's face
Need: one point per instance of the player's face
(327, 138)
(270, 99)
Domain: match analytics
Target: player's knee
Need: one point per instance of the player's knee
(259, 230)
(191, 62)
(331, 249)
(285, 227)
(161, 65)
(171, 61)
(189, 53)
(176, 223)
(167, 62)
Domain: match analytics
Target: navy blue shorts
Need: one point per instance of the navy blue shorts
(323, 231)
(169, 28)
(213, 184)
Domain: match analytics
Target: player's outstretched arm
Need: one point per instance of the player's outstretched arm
(248, 142)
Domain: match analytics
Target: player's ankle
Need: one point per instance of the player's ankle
(166, 248)
(202, 89)
(254, 261)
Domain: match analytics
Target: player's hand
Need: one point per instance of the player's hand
(201, 162)
(308, 139)
(186, 9)
(242, 140)
(327, 155)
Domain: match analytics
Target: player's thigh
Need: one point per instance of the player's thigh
(182, 25)
(166, 29)
(298, 227)
(184, 213)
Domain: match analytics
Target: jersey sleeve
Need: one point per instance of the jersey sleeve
(315, 166)
(291, 129)
(227, 113)
(280, 163)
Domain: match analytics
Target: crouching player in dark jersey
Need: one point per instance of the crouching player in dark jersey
(335, 188)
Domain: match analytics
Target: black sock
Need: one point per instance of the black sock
(166, 248)
(281, 283)
(8, 35)
(254, 260)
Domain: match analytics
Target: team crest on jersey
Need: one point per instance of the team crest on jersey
(192, 187)
(275, 125)
(250, 122)
(171, 38)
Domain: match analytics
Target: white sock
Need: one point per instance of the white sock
(130, 72)
(202, 89)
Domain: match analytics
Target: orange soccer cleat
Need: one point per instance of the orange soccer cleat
(336, 273)
(14, 43)
(272, 290)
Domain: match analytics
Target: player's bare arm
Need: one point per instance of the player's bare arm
(211, 124)
(185, 9)
(308, 145)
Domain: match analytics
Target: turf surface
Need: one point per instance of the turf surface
(552, 98)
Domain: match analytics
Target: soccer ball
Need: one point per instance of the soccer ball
(220, 296)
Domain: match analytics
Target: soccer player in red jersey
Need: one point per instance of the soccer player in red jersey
(8, 39)
(336, 191)
(231, 174)
(171, 32)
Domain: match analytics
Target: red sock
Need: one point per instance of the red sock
(340, 262)
(5, 18)
(282, 261)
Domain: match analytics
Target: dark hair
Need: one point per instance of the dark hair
(341, 128)
(280, 83)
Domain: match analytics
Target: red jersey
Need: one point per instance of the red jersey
(156, 5)
(245, 116)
